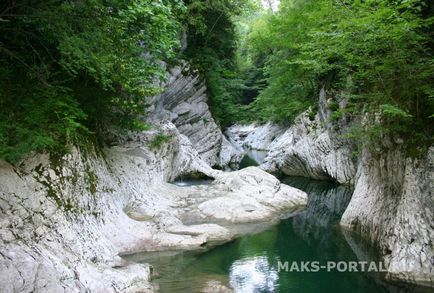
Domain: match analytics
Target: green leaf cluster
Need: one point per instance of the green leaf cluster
(70, 68)
(378, 54)
(212, 42)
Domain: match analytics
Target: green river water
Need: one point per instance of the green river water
(250, 263)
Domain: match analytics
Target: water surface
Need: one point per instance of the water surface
(250, 264)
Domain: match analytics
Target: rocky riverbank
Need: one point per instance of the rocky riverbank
(393, 200)
(65, 221)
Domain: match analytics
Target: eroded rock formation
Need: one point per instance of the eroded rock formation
(393, 200)
(65, 221)
(184, 102)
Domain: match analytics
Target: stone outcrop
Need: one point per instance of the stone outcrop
(254, 137)
(184, 102)
(230, 154)
(393, 202)
(64, 222)
(312, 147)
(392, 205)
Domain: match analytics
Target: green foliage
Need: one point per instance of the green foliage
(159, 140)
(378, 52)
(391, 111)
(312, 113)
(73, 67)
(333, 106)
(212, 44)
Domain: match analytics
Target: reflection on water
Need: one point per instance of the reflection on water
(192, 182)
(253, 274)
(319, 222)
(249, 264)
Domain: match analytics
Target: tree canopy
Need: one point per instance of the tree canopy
(375, 55)
(71, 68)
(68, 66)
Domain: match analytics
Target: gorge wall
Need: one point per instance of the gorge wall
(66, 220)
(393, 206)
(184, 103)
(312, 147)
(393, 201)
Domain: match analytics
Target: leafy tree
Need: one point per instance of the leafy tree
(212, 45)
(69, 67)
(378, 54)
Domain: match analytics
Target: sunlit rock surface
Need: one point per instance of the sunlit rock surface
(65, 221)
(184, 102)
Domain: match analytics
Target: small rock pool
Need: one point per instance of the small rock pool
(249, 264)
(192, 180)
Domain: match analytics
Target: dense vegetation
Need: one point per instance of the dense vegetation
(212, 47)
(72, 68)
(375, 55)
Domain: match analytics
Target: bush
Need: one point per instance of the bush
(158, 141)
(74, 67)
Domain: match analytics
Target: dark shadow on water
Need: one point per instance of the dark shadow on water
(252, 158)
(247, 162)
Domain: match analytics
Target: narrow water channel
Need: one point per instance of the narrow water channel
(250, 264)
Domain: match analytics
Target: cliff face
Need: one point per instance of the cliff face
(393, 202)
(393, 206)
(184, 103)
(311, 147)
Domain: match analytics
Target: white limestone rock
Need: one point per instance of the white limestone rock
(64, 223)
(184, 102)
(230, 154)
(313, 148)
(256, 137)
(393, 205)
